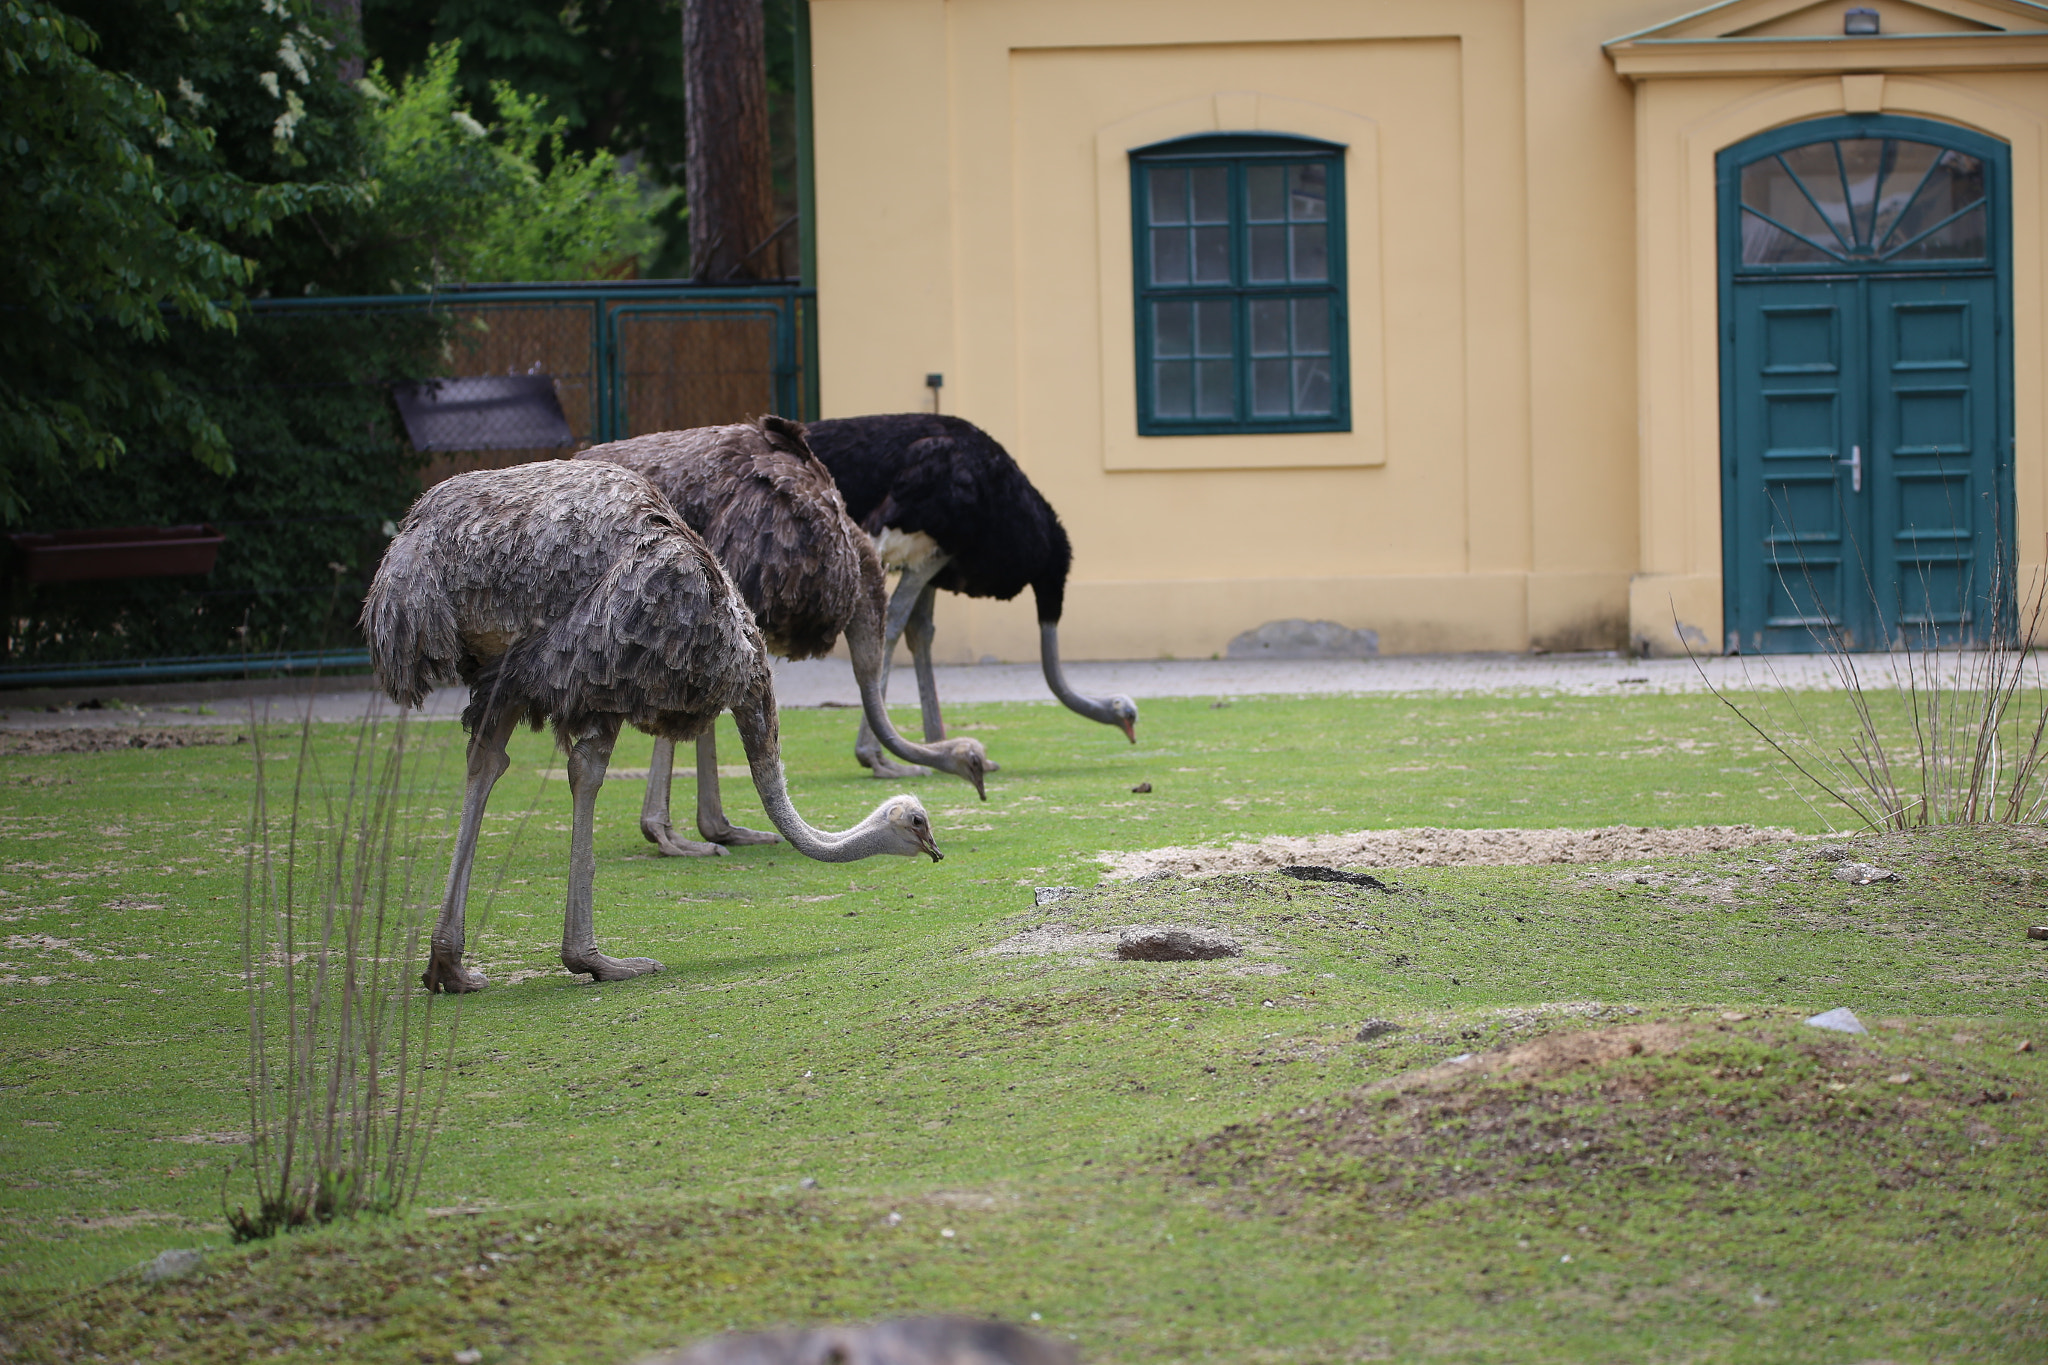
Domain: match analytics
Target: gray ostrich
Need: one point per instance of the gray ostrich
(572, 593)
(771, 513)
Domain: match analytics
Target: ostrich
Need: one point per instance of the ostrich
(771, 514)
(572, 593)
(951, 509)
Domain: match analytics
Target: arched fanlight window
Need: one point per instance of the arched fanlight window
(1863, 201)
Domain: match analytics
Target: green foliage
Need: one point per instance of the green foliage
(124, 211)
(476, 201)
(611, 70)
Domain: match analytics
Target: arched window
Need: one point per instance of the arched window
(1239, 256)
(1863, 200)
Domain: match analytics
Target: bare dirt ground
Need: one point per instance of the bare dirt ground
(99, 741)
(1440, 848)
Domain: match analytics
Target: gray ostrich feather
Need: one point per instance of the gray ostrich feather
(561, 592)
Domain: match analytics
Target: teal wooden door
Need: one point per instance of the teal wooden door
(1865, 376)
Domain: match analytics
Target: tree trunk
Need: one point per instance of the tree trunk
(725, 84)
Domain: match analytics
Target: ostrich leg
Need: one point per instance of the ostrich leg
(588, 759)
(654, 817)
(487, 763)
(918, 631)
(916, 578)
(711, 821)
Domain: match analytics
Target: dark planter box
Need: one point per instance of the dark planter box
(116, 552)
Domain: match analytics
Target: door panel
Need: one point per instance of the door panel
(1798, 352)
(1934, 458)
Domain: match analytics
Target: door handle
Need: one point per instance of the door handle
(1855, 463)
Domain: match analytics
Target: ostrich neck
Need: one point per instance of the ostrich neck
(864, 643)
(1055, 678)
(756, 721)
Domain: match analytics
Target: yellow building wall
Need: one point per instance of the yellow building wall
(1535, 453)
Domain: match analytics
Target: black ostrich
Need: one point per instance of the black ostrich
(947, 505)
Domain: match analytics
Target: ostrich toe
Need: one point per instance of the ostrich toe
(673, 845)
(732, 835)
(445, 972)
(601, 968)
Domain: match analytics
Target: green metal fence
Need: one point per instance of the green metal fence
(318, 438)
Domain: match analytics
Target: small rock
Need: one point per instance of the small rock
(1046, 895)
(171, 1265)
(2038, 931)
(1900, 1078)
(1306, 873)
(809, 1182)
(469, 1357)
(1461, 1059)
(1173, 943)
(1141, 789)
(1840, 1020)
(2026, 1045)
(1732, 1017)
(1376, 1028)
(1863, 874)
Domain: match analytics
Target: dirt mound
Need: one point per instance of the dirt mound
(102, 739)
(1441, 848)
(1712, 1114)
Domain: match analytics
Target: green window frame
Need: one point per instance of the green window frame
(1238, 263)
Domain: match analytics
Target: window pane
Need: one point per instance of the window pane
(1173, 389)
(1311, 326)
(1266, 189)
(1311, 388)
(1212, 328)
(1818, 172)
(1764, 244)
(1212, 194)
(1962, 240)
(1907, 168)
(1307, 193)
(1169, 196)
(1269, 254)
(1169, 255)
(1212, 255)
(1214, 383)
(1863, 160)
(1311, 252)
(1269, 326)
(1957, 182)
(1270, 388)
(1172, 330)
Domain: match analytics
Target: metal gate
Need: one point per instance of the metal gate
(622, 359)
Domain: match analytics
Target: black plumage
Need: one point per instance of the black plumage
(946, 503)
(946, 477)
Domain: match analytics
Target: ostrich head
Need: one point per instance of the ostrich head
(962, 758)
(1123, 713)
(910, 829)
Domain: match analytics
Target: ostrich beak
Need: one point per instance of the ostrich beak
(1130, 729)
(975, 775)
(929, 844)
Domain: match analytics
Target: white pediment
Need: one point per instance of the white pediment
(1801, 36)
(1808, 19)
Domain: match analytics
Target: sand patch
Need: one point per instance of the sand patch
(1440, 848)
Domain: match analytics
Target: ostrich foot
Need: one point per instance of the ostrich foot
(598, 967)
(664, 837)
(445, 972)
(734, 835)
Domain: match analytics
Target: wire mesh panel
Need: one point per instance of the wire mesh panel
(676, 368)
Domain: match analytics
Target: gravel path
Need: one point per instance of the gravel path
(829, 682)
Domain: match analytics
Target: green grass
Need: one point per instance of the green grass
(1166, 1161)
